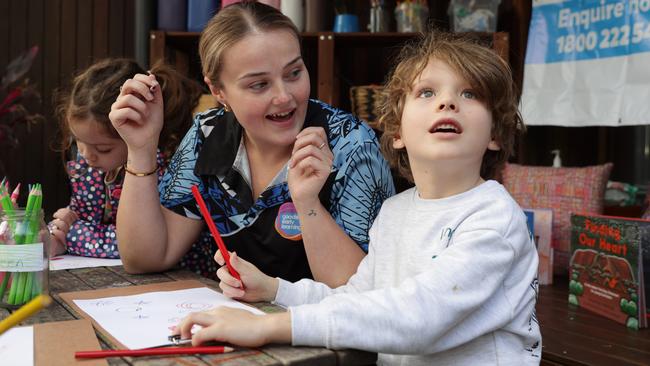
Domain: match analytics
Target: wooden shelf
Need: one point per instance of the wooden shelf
(328, 49)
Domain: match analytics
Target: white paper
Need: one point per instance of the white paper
(146, 320)
(17, 346)
(75, 261)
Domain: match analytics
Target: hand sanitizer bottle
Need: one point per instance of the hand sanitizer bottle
(557, 162)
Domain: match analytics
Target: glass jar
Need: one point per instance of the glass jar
(24, 266)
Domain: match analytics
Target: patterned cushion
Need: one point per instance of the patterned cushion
(564, 190)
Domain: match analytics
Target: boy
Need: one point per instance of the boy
(450, 277)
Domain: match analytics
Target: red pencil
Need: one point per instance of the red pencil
(215, 232)
(153, 352)
(15, 193)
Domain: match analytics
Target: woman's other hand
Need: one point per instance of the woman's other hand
(310, 165)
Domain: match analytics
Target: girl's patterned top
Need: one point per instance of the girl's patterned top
(93, 234)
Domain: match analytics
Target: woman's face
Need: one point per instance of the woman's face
(265, 83)
(101, 150)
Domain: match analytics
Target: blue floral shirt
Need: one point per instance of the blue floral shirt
(265, 230)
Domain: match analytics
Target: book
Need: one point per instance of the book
(609, 267)
(540, 225)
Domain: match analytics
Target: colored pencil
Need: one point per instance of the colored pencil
(8, 208)
(15, 194)
(27, 310)
(215, 233)
(153, 352)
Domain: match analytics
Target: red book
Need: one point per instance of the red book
(610, 267)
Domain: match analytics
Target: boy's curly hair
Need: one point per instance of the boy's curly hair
(487, 73)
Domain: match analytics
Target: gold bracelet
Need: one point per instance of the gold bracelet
(139, 174)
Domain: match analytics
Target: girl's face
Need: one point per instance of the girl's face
(443, 121)
(101, 150)
(265, 83)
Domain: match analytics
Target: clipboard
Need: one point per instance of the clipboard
(49, 350)
(68, 298)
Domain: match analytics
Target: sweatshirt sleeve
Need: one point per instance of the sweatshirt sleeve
(450, 304)
(308, 291)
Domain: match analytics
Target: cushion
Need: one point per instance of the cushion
(564, 190)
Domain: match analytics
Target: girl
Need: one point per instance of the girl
(86, 227)
(293, 184)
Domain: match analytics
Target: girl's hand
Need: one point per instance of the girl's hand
(257, 285)
(310, 165)
(57, 245)
(59, 227)
(236, 326)
(138, 114)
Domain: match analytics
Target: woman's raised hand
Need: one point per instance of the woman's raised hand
(310, 165)
(138, 113)
(257, 285)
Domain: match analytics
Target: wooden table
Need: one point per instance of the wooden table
(106, 277)
(575, 336)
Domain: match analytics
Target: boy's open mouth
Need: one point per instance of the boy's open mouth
(446, 125)
(281, 117)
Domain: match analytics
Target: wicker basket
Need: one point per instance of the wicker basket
(364, 100)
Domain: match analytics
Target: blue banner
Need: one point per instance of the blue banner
(573, 30)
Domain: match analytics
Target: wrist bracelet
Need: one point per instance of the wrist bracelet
(137, 174)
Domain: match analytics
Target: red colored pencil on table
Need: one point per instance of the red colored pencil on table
(153, 352)
(215, 232)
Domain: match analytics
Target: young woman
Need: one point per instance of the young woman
(293, 184)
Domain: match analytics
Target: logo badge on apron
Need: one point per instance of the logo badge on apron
(287, 223)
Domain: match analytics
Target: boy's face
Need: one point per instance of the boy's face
(443, 122)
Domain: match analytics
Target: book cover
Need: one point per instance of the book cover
(540, 225)
(609, 272)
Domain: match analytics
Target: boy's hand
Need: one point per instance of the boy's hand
(257, 285)
(236, 326)
(310, 165)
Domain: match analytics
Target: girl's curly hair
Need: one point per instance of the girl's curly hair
(94, 90)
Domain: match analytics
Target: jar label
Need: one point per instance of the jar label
(21, 258)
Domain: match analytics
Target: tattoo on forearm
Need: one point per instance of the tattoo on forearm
(311, 213)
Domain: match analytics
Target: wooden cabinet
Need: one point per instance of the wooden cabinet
(335, 61)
